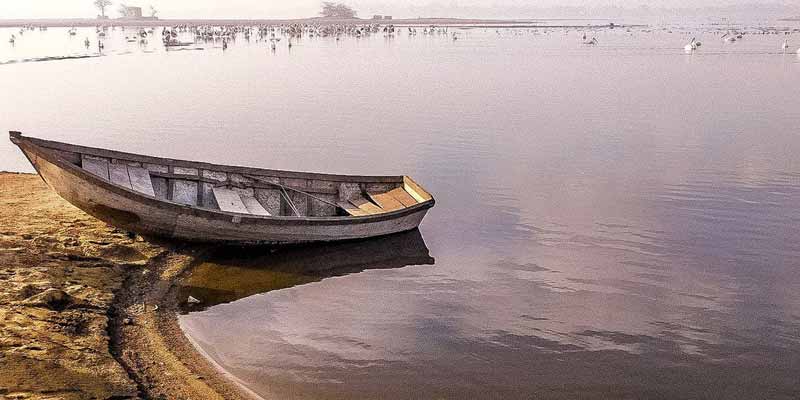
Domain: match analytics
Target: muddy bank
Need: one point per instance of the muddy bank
(87, 311)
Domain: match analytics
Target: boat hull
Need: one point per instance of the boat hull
(148, 216)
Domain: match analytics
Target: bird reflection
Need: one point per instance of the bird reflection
(227, 274)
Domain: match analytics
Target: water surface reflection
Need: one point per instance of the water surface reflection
(227, 274)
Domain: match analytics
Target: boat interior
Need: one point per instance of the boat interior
(246, 190)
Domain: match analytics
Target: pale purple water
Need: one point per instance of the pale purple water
(611, 221)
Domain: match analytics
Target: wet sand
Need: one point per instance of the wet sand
(88, 311)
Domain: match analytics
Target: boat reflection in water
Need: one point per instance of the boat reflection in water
(231, 273)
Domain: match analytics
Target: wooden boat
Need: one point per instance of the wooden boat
(197, 201)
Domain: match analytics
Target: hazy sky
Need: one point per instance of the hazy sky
(306, 8)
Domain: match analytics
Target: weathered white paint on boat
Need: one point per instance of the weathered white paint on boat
(186, 214)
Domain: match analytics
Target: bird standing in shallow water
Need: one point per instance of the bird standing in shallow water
(691, 46)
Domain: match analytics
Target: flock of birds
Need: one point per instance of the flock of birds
(732, 36)
(22, 30)
(271, 33)
(293, 32)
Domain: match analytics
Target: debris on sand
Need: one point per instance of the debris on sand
(52, 298)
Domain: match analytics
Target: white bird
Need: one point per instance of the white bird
(728, 37)
(691, 46)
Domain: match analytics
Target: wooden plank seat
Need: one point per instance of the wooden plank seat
(395, 199)
(365, 205)
(386, 201)
(233, 201)
(119, 175)
(253, 206)
(134, 178)
(402, 196)
(96, 166)
(351, 209)
(415, 190)
(229, 200)
(140, 181)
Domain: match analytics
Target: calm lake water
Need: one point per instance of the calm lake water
(618, 220)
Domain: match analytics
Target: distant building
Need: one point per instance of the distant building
(387, 17)
(377, 16)
(132, 12)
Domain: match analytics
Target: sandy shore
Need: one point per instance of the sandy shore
(87, 311)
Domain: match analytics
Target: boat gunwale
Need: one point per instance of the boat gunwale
(56, 159)
(236, 169)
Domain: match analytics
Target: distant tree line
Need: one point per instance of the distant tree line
(123, 8)
(337, 10)
(101, 5)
